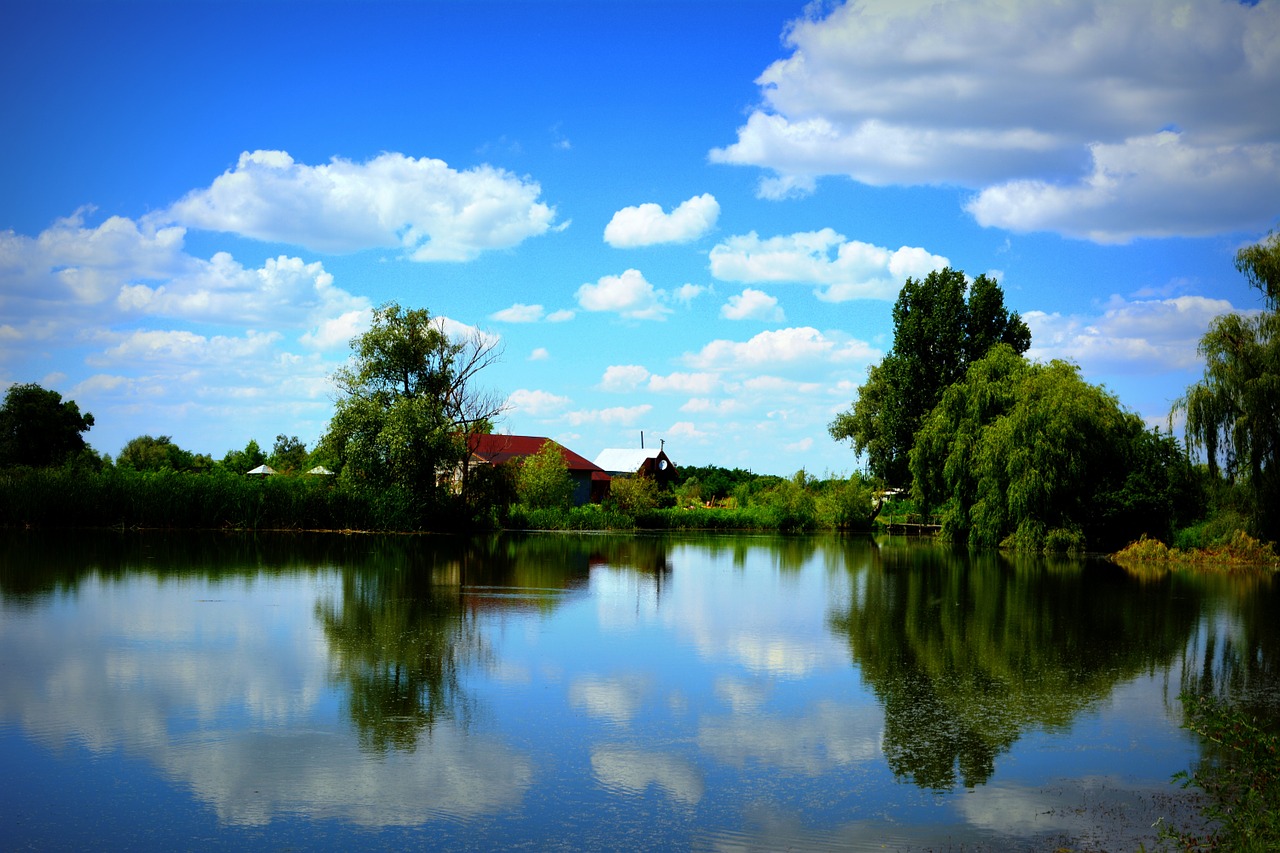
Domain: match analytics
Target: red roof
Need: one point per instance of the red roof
(498, 449)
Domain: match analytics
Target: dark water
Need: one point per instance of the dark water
(601, 692)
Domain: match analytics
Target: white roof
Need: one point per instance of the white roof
(319, 469)
(262, 469)
(624, 460)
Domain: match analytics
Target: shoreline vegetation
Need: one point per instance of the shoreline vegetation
(77, 497)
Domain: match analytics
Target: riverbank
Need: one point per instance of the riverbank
(1240, 552)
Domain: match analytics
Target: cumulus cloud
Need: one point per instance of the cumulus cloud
(752, 305)
(615, 416)
(797, 345)
(421, 205)
(518, 313)
(1149, 186)
(284, 291)
(686, 293)
(628, 294)
(181, 347)
(1050, 107)
(843, 269)
(647, 224)
(538, 404)
(623, 377)
(1129, 336)
(70, 261)
(685, 383)
(128, 269)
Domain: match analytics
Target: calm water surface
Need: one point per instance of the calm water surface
(601, 692)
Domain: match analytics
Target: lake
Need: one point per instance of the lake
(602, 692)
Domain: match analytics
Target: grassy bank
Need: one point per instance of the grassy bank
(1239, 551)
(74, 497)
(71, 498)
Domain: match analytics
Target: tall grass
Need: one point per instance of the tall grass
(122, 498)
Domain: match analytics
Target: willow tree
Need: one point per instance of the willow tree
(1232, 414)
(407, 401)
(1030, 456)
(941, 324)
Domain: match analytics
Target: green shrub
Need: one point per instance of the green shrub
(1240, 774)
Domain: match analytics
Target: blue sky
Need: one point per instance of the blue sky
(689, 219)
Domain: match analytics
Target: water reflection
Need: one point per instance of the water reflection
(594, 691)
(969, 652)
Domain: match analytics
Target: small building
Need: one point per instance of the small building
(590, 482)
(625, 462)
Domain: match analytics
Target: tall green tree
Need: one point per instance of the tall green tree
(1031, 456)
(1233, 413)
(938, 331)
(408, 399)
(288, 454)
(159, 453)
(243, 461)
(543, 480)
(38, 428)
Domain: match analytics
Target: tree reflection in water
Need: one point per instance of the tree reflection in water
(967, 652)
(406, 626)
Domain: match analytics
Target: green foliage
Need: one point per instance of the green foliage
(712, 482)
(408, 399)
(126, 498)
(242, 461)
(543, 480)
(1240, 774)
(159, 453)
(845, 504)
(936, 336)
(1231, 413)
(633, 495)
(1031, 457)
(288, 455)
(39, 429)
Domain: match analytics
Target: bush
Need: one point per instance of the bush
(1240, 774)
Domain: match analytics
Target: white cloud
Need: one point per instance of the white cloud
(284, 291)
(122, 268)
(752, 305)
(180, 347)
(615, 416)
(705, 406)
(1150, 186)
(539, 354)
(685, 430)
(846, 269)
(686, 293)
(562, 316)
(71, 262)
(518, 313)
(433, 212)
(338, 331)
(1044, 106)
(647, 224)
(1140, 337)
(685, 383)
(538, 404)
(628, 294)
(799, 345)
(623, 377)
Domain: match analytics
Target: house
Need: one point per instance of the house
(590, 482)
(624, 462)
